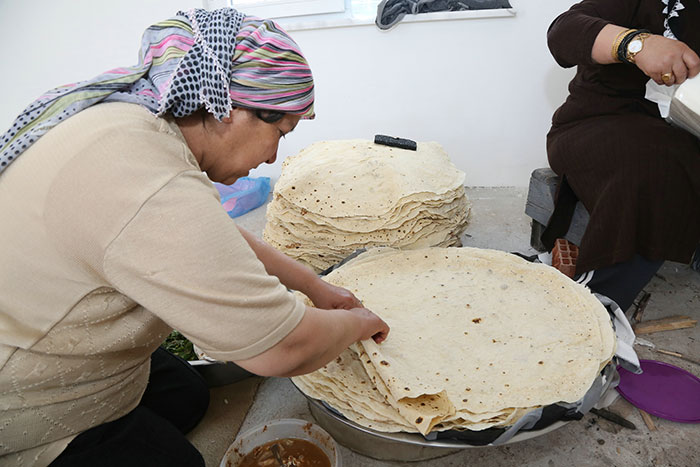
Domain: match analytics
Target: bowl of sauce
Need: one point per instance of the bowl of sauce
(286, 442)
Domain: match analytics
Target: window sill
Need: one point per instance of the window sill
(302, 24)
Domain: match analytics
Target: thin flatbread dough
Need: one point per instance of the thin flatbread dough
(335, 197)
(478, 337)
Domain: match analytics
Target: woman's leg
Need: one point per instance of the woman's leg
(621, 282)
(153, 434)
(640, 184)
(176, 391)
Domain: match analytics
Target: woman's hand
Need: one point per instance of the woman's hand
(329, 296)
(319, 338)
(664, 60)
(372, 325)
(667, 61)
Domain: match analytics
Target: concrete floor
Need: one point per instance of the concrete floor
(498, 221)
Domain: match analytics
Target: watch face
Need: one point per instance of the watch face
(634, 46)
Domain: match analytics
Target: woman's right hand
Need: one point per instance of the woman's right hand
(319, 338)
(661, 55)
(372, 325)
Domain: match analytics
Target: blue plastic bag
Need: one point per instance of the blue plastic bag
(245, 195)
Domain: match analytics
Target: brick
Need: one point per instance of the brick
(564, 255)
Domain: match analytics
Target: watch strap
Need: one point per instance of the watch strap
(622, 54)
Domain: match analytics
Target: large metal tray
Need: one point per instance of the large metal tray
(397, 446)
(219, 373)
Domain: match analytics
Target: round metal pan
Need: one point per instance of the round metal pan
(396, 446)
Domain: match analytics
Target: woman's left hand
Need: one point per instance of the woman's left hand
(329, 296)
(667, 61)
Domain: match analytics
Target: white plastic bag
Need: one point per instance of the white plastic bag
(678, 104)
(662, 95)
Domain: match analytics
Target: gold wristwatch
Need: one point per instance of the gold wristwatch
(635, 46)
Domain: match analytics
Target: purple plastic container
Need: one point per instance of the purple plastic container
(663, 390)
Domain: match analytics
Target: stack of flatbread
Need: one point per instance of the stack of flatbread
(478, 338)
(338, 196)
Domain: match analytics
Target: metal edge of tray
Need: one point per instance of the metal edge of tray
(217, 373)
(397, 446)
(371, 443)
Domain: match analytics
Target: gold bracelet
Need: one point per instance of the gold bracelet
(616, 43)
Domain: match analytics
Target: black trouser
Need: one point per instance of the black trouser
(153, 434)
(621, 282)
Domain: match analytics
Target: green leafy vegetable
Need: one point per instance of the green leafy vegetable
(179, 345)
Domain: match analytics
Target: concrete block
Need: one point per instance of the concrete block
(540, 206)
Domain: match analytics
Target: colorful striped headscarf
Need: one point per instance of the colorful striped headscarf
(214, 59)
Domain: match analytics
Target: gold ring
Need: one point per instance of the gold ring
(667, 77)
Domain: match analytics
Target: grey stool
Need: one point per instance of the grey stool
(540, 206)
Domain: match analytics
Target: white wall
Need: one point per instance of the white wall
(484, 88)
(47, 43)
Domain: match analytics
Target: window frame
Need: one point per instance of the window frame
(283, 8)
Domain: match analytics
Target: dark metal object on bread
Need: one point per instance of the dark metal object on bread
(401, 143)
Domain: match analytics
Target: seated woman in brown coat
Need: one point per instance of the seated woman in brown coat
(638, 176)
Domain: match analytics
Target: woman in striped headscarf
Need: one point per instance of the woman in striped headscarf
(112, 236)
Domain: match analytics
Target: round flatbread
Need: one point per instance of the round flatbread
(478, 337)
(335, 197)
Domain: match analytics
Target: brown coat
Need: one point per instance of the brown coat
(638, 176)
